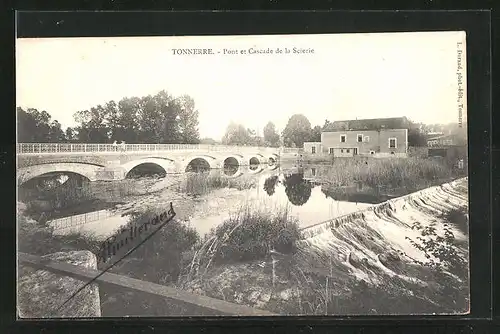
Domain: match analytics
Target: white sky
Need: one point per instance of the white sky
(348, 76)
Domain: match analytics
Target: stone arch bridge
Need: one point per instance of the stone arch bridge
(114, 162)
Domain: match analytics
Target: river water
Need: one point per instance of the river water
(273, 189)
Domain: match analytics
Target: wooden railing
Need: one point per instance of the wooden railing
(86, 274)
(50, 148)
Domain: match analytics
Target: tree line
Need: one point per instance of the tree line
(297, 131)
(158, 119)
(165, 119)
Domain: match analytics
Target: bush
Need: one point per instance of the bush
(160, 258)
(448, 259)
(252, 234)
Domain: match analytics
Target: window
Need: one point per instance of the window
(341, 151)
(331, 150)
(392, 143)
(360, 138)
(313, 171)
(343, 138)
(313, 149)
(367, 139)
(392, 152)
(355, 151)
(348, 150)
(372, 152)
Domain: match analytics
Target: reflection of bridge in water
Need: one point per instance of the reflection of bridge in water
(109, 162)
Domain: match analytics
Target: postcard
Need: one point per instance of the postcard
(313, 174)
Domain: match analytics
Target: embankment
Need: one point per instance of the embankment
(415, 227)
(408, 255)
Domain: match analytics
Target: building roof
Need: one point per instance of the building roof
(369, 124)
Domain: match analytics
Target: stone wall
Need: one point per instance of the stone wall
(41, 292)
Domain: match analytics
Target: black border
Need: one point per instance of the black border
(475, 23)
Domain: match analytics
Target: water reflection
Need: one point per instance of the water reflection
(284, 186)
(297, 189)
(198, 165)
(270, 185)
(231, 170)
(356, 194)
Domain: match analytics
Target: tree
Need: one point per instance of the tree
(271, 136)
(151, 119)
(71, 134)
(92, 127)
(128, 109)
(112, 120)
(327, 125)
(167, 118)
(208, 141)
(416, 137)
(297, 131)
(56, 134)
(188, 121)
(237, 134)
(35, 126)
(316, 134)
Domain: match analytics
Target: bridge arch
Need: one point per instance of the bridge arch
(272, 159)
(167, 165)
(210, 161)
(257, 170)
(233, 160)
(87, 170)
(254, 160)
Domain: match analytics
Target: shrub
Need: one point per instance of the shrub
(447, 259)
(252, 234)
(161, 258)
(442, 252)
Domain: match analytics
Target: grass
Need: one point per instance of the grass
(316, 159)
(39, 239)
(70, 199)
(322, 295)
(226, 264)
(446, 276)
(177, 255)
(52, 198)
(410, 173)
(161, 258)
(202, 183)
(247, 236)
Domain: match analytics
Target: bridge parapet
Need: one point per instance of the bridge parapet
(51, 148)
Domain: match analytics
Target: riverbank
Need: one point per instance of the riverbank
(297, 282)
(367, 263)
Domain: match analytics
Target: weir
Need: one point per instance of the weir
(430, 201)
